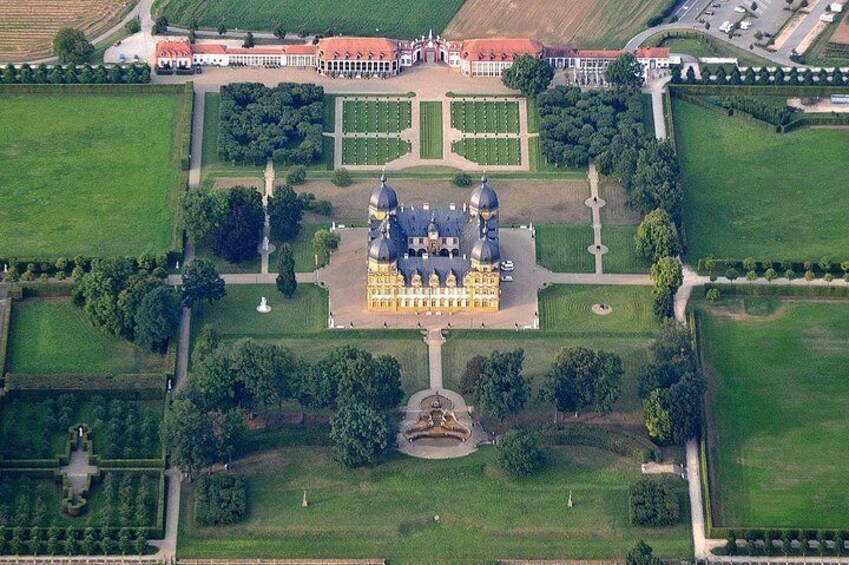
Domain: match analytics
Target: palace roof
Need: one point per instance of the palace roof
(652, 53)
(499, 49)
(173, 50)
(357, 48)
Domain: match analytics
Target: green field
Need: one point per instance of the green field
(621, 256)
(568, 308)
(52, 336)
(750, 192)
(382, 18)
(69, 158)
(777, 370)
(376, 116)
(389, 511)
(563, 248)
(430, 130)
(704, 46)
(470, 116)
(489, 151)
(373, 151)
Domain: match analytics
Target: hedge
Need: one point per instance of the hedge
(143, 70)
(757, 90)
(5, 324)
(840, 290)
(722, 265)
(123, 89)
(143, 386)
(616, 441)
(124, 464)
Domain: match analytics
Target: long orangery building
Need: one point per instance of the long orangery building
(362, 57)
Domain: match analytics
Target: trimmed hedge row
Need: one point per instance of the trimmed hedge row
(127, 89)
(142, 386)
(133, 73)
(802, 291)
(799, 267)
(616, 441)
(5, 323)
(757, 90)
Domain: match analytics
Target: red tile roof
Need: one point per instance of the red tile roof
(560, 51)
(209, 48)
(498, 49)
(600, 54)
(357, 48)
(173, 50)
(652, 53)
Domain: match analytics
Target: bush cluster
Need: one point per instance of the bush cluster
(283, 123)
(124, 431)
(753, 269)
(128, 499)
(135, 73)
(219, 500)
(653, 503)
(758, 108)
(64, 267)
(72, 541)
(786, 542)
(763, 76)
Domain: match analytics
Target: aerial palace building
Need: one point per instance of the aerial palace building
(433, 260)
(362, 57)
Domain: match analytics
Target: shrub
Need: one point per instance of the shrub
(341, 177)
(219, 500)
(463, 179)
(653, 503)
(298, 175)
(133, 26)
(519, 454)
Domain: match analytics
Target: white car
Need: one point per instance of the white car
(506, 278)
(507, 266)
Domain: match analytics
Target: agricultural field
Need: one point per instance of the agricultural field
(831, 48)
(431, 130)
(68, 158)
(301, 325)
(589, 24)
(27, 28)
(404, 19)
(373, 150)
(471, 116)
(793, 205)
(376, 116)
(489, 516)
(562, 248)
(489, 151)
(52, 336)
(776, 407)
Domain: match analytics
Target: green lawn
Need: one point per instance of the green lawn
(431, 130)
(568, 308)
(648, 113)
(382, 18)
(704, 46)
(622, 252)
(489, 151)
(52, 336)
(235, 315)
(211, 163)
(485, 117)
(778, 411)
(69, 158)
(372, 151)
(563, 248)
(376, 116)
(748, 191)
(389, 511)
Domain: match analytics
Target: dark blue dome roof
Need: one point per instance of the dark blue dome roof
(384, 198)
(486, 251)
(484, 197)
(382, 250)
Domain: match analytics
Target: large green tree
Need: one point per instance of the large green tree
(518, 453)
(285, 211)
(201, 283)
(583, 379)
(189, 436)
(240, 232)
(528, 75)
(657, 237)
(502, 387)
(202, 214)
(625, 71)
(642, 554)
(287, 282)
(325, 243)
(349, 375)
(71, 47)
(156, 318)
(360, 434)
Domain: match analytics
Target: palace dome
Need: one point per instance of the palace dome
(484, 198)
(486, 251)
(383, 198)
(382, 250)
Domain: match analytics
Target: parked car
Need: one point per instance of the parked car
(506, 278)
(507, 266)
(709, 12)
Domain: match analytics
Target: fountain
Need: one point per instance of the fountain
(437, 422)
(263, 307)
